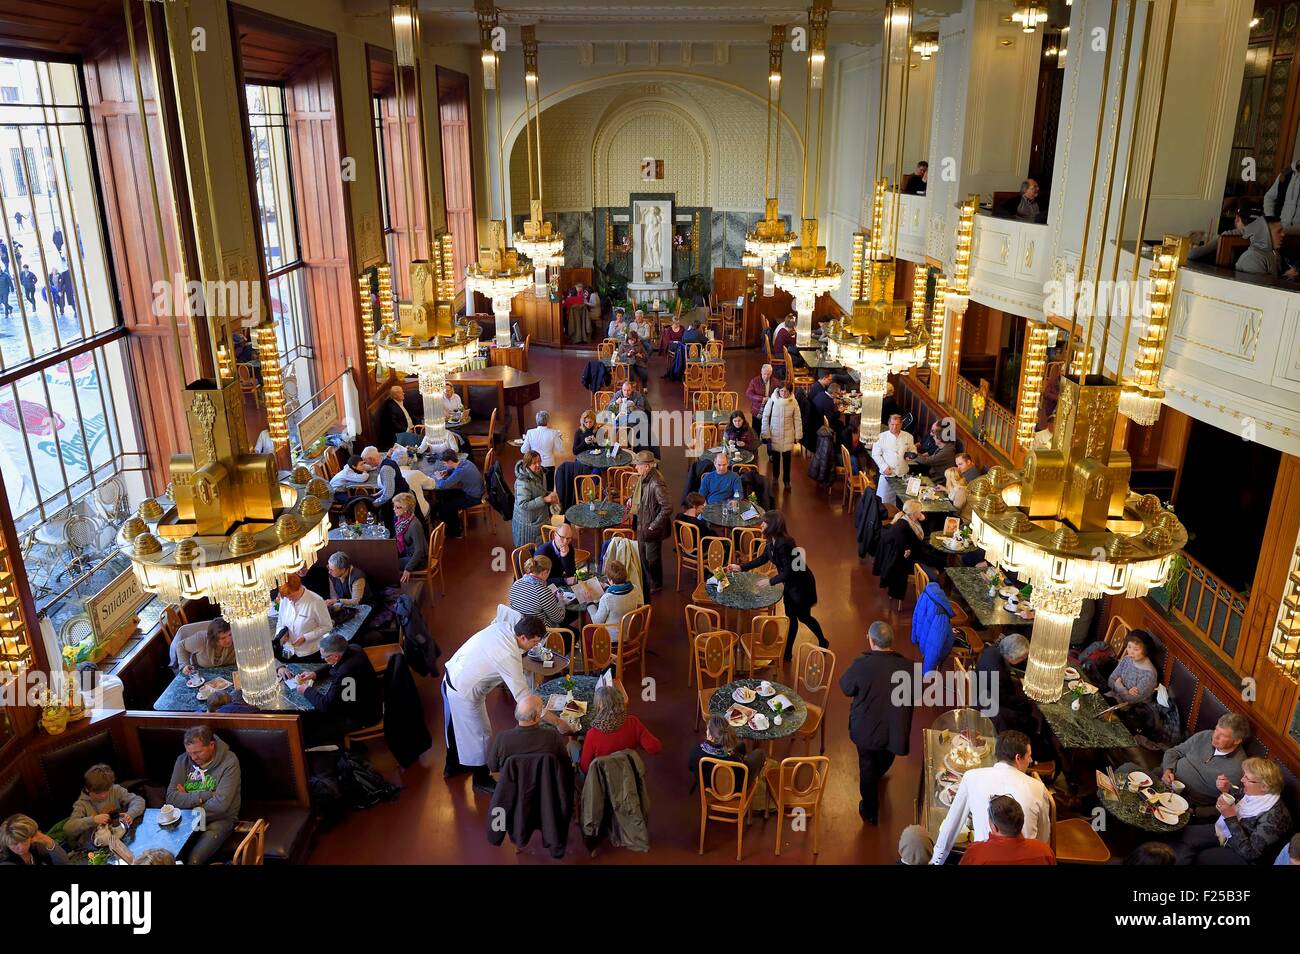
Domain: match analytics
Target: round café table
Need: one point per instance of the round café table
(584, 690)
(792, 718)
(739, 457)
(721, 515)
(745, 597)
(520, 387)
(713, 416)
(600, 459)
(589, 516)
(1133, 809)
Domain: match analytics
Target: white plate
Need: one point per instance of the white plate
(743, 695)
(1173, 802)
(1165, 815)
(195, 682)
(946, 795)
(1140, 779)
(1007, 591)
(771, 691)
(759, 722)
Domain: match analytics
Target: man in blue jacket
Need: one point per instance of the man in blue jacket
(932, 627)
(722, 483)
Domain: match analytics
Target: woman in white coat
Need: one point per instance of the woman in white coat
(783, 426)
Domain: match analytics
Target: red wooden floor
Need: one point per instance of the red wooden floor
(436, 821)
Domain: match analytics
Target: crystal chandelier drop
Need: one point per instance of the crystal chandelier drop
(235, 529)
(925, 45)
(499, 274)
(771, 240)
(1029, 15)
(1142, 397)
(539, 240)
(878, 338)
(806, 273)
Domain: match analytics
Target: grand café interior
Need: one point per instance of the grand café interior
(267, 264)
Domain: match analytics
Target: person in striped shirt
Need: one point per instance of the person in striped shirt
(533, 596)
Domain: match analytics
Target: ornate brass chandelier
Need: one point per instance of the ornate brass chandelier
(539, 240)
(235, 530)
(878, 338)
(806, 273)
(1068, 524)
(770, 239)
(499, 274)
(421, 338)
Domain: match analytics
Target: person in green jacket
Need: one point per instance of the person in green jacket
(207, 776)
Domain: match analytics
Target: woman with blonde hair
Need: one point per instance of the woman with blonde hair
(955, 485)
(411, 537)
(587, 436)
(1251, 826)
(532, 595)
(23, 843)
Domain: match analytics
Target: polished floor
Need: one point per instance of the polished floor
(439, 821)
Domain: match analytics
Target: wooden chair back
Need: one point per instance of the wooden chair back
(597, 647)
(703, 401)
(588, 484)
(767, 348)
(619, 482)
(749, 543)
(727, 400)
(519, 556)
(715, 653)
(252, 848)
(715, 553)
(715, 377)
(803, 781)
(433, 561)
(686, 537)
(692, 378)
(605, 350)
(633, 638)
(1117, 635)
(548, 531)
(814, 674)
(609, 533)
(714, 348)
(920, 580)
(600, 401)
(693, 351)
(702, 437)
(618, 373)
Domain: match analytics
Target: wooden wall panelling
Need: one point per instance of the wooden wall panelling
(133, 240)
(409, 221)
(315, 153)
(457, 167)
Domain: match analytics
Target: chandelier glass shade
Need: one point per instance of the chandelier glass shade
(538, 241)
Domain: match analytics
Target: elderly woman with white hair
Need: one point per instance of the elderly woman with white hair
(23, 843)
(1001, 696)
(420, 483)
(902, 546)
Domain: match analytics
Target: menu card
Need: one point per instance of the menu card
(588, 590)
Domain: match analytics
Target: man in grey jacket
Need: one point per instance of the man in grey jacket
(1209, 762)
(207, 775)
(1265, 235)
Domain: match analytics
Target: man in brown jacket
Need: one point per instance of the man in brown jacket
(654, 516)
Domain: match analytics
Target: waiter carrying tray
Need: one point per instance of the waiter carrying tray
(491, 657)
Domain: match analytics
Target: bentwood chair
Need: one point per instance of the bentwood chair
(814, 674)
(702, 437)
(763, 647)
(1075, 841)
(687, 538)
(727, 400)
(797, 785)
(609, 533)
(715, 553)
(562, 641)
(619, 482)
(726, 795)
(483, 508)
(597, 648)
(519, 556)
(692, 380)
(713, 350)
(600, 401)
(252, 847)
(585, 484)
(703, 401)
(699, 619)
(605, 350)
(433, 563)
(248, 382)
(378, 656)
(484, 442)
(693, 351)
(715, 377)
(855, 485)
(633, 640)
(715, 655)
(1117, 634)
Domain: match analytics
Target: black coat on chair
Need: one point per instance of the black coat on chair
(870, 519)
(892, 566)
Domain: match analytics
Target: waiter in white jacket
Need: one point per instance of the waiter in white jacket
(890, 454)
(1010, 776)
(491, 657)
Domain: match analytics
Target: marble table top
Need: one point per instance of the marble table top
(971, 584)
(1133, 809)
(743, 594)
(739, 457)
(178, 697)
(899, 485)
(721, 515)
(584, 690)
(791, 719)
(600, 459)
(586, 516)
(713, 417)
(1082, 729)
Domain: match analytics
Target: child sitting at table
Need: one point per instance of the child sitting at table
(102, 802)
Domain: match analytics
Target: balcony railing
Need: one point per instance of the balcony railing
(998, 424)
(1208, 606)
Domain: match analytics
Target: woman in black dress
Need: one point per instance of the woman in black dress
(587, 436)
(791, 564)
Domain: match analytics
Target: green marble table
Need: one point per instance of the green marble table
(973, 587)
(178, 697)
(745, 594)
(739, 457)
(899, 485)
(1082, 729)
(721, 515)
(791, 719)
(584, 690)
(589, 517)
(600, 459)
(1132, 808)
(938, 540)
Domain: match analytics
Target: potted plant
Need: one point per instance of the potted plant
(777, 708)
(568, 684)
(1171, 590)
(694, 290)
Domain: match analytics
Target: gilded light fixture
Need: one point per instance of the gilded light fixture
(1029, 15)
(1031, 385)
(925, 45)
(367, 321)
(268, 354)
(1143, 397)
(806, 273)
(1284, 650)
(539, 240)
(384, 279)
(920, 289)
(770, 239)
(235, 530)
(934, 352)
(498, 274)
(878, 338)
(421, 339)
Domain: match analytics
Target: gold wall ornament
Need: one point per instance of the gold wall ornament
(1284, 649)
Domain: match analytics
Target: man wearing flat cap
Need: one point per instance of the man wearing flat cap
(653, 516)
